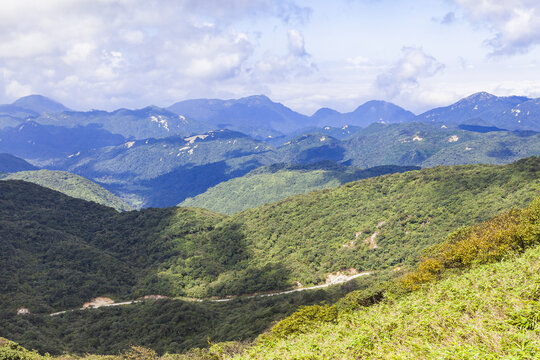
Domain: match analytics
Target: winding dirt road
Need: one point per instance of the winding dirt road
(342, 280)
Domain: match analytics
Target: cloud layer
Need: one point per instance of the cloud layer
(405, 74)
(128, 52)
(516, 23)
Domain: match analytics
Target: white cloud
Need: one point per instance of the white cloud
(78, 52)
(296, 43)
(98, 53)
(405, 74)
(16, 89)
(516, 23)
(296, 64)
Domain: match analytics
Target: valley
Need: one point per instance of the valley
(239, 226)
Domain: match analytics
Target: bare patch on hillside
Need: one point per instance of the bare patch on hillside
(98, 302)
(340, 276)
(371, 240)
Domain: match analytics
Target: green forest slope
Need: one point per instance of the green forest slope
(490, 312)
(276, 182)
(70, 184)
(462, 309)
(59, 259)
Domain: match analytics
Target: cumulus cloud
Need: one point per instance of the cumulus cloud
(406, 72)
(297, 63)
(516, 23)
(108, 53)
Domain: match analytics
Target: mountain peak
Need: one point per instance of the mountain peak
(40, 104)
(255, 100)
(479, 96)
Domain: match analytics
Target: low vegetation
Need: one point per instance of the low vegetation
(72, 185)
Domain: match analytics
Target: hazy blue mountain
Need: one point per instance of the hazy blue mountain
(27, 107)
(8, 120)
(311, 148)
(512, 112)
(163, 172)
(11, 164)
(16, 113)
(371, 112)
(39, 104)
(426, 144)
(414, 143)
(341, 133)
(142, 123)
(31, 140)
(257, 116)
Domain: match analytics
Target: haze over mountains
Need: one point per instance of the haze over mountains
(160, 156)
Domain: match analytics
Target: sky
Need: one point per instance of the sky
(418, 54)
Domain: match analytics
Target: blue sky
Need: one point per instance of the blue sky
(306, 54)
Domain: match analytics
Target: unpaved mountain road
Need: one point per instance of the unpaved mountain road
(341, 280)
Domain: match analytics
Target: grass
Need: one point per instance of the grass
(490, 312)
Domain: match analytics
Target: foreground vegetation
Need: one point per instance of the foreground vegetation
(490, 312)
(460, 302)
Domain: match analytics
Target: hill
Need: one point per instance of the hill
(163, 172)
(490, 311)
(44, 143)
(373, 111)
(431, 145)
(70, 184)
(278, 181)
(10, 164)
(512, 112)
(370, 224)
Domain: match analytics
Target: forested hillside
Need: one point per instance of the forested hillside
(70, 184)
(450, 306)
(82, 250)
(275, 182)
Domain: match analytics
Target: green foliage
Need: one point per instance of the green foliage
(276, 182)
(59, 252)
(165, 326)
(492, 240)
(304, 319)
(486, 313)
(10, 350)
(72, 185)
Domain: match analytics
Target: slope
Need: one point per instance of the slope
(72, 185)
(512, 112)
(371, 224)
(10, 164)
(278, 181)
(381, 222)
(489, 312)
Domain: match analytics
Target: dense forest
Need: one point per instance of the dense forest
(473, 296)
(57, 260)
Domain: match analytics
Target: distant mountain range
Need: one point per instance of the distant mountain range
(164, 172)
(159, 157)
(261, 118)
